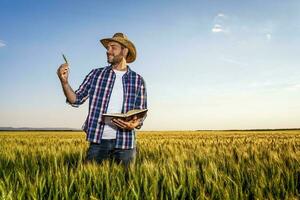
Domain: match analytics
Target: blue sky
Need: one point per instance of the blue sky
(207, 64)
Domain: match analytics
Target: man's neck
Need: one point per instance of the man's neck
(121, 66)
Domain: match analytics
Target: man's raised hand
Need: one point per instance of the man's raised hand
(63, 73)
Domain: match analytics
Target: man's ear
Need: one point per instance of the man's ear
(125, 52)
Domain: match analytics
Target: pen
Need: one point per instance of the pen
(65, 58)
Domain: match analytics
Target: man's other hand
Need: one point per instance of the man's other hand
(129, 125)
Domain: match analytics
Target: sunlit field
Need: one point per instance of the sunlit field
(169, 165)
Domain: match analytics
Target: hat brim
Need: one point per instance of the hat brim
(126, 43)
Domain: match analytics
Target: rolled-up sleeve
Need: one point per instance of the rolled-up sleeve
(82, 93)
(141, 101)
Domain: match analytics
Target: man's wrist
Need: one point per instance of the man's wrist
(64, 83)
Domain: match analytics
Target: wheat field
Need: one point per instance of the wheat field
(169, 165)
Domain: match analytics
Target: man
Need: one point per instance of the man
(111, 89)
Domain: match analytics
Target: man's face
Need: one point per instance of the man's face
(115, 53)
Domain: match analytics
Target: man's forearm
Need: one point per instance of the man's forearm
(69, 93)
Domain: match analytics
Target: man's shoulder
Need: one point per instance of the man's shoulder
(98, 69)
(139, 77)
(136, 74)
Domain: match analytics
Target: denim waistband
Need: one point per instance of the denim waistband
(108, 140)
(104, 141)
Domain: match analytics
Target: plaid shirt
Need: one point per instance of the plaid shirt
(97, 86)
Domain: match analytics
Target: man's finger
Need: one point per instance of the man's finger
(125, 123)
(118, 124)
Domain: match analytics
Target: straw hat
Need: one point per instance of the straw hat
(123, 40)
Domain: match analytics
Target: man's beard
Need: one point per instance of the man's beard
(115, 60)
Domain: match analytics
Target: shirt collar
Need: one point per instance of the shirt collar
(109, 68)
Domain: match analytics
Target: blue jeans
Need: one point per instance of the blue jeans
(106, 150)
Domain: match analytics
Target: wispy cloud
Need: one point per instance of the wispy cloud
(2, 43)
(271, 85)
(268, 30)
(217, 28)
(220, 15)
(231, 25)
(219, 24)
(269, 36)
(293, 87)
(234, 61)
(266, 83)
